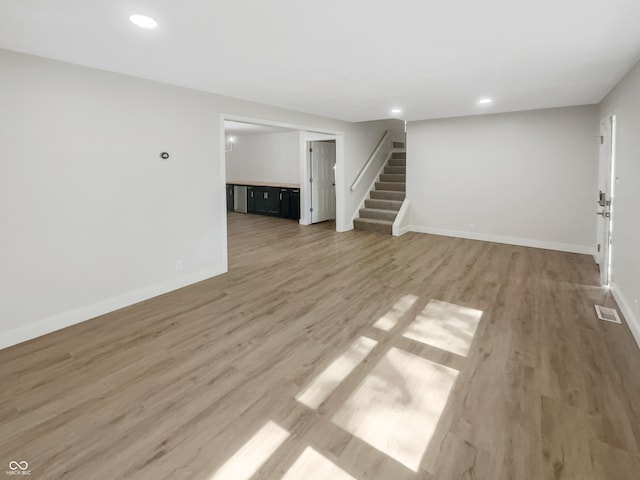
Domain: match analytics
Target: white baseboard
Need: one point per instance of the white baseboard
(67, 319)
(632, 320)
(403, 230)
(523, 242)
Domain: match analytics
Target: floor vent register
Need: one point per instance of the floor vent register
(607, 314)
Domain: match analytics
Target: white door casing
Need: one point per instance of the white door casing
(605, 197)
(322, 167)
(602, 168)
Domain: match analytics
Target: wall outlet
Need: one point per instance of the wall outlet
(179, 265)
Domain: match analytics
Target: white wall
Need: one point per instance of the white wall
(90, 213)
(624, 102)
(525, 178)
(92, 219)
(271, 157)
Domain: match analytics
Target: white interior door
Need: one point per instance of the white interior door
(322, 157)
(606, 177)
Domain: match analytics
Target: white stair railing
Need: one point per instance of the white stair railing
(368, 163)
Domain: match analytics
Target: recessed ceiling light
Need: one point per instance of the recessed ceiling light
(395, 111)
(485, 101)
(143, 21)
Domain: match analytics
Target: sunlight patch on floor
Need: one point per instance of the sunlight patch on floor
(311, 465)
(446, 326)
(325, 383)
(397, 406)
(389, 319)
(252, 455)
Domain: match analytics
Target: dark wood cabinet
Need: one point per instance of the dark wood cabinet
(261, 201)
(267, 201)
(230, 198)
(251, 200)
(273, 201)
(285, 206)
(294, 203)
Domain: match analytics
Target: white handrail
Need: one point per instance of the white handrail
(368, 162)
(371, 186)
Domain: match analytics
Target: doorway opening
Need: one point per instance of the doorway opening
(262, 169)
(237, 133)
(606, 197)
(322, 180)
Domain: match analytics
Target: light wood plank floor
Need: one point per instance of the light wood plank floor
(201, 383)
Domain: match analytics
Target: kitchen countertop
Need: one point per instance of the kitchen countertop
(263, 184)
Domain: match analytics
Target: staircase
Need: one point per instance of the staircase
(386, 197)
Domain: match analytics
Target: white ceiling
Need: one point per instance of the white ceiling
(242, 128)
(352, 60)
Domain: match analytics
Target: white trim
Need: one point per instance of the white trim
(305, 173)
(79, 315)
(523, 242)
(631, 320)
(403, 230)
(396, 229)
(345, 227)
(274, 123)
(371, 186)
(223, 203)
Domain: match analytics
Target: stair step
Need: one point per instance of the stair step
(399, 155)
(393, 177)
(397, 162)
(378, 214)
(387, 195)
(402, 170)
(383, 204)
(373, 225)
(398, 145)
(396, 186)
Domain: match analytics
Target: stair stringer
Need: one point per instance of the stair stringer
(399, 226)
(372, 185)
